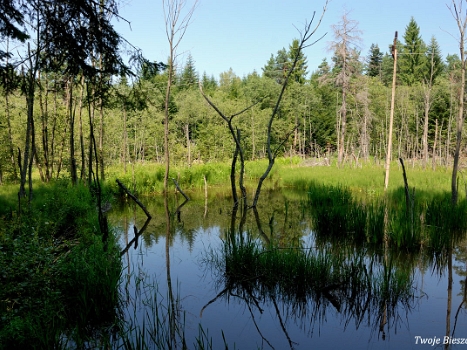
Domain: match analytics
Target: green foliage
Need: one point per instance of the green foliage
(59, 280)
(413, 58)
(375, 61)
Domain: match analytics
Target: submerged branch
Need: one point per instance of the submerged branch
(225, 290)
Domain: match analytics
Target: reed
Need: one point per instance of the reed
(430, 221)
(311, 279)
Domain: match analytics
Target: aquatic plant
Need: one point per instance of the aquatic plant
(429, 221)
(304, 283)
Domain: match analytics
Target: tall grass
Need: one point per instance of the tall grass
(430, 222)
(59, 281)
(311, 280)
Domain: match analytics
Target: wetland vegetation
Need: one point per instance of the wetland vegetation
(278, 231)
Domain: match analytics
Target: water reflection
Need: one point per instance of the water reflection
(366, 296)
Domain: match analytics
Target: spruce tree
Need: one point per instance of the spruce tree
(375, 60)
(412, 56)
(434, 60)
(278, 66)
(189, 76)
(300, 71)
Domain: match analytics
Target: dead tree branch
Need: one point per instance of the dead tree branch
(305, 36)
(122, 186)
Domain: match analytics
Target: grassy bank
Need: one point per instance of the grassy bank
(147, 178)
(59, 283)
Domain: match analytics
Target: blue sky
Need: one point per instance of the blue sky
(242, 34)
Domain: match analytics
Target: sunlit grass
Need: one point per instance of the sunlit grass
(366, 179)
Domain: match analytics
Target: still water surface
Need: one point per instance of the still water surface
(198, 232)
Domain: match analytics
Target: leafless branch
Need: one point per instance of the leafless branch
(175, 27)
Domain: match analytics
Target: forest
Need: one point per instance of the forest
(61, 101)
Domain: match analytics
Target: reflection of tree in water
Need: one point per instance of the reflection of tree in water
(460, 253)
(304, 284)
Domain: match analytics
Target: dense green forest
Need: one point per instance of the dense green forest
(64, 105)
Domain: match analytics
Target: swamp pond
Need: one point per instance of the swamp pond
(180, 283)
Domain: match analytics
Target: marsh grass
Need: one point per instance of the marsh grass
(430, 222)
(310, 280)
(59, 281)
(148, 178)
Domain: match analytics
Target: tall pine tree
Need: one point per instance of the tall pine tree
(413, 55)
(375, 60)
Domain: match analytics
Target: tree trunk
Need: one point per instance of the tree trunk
(391, 116)
(81, 134)
(28, 154)
(461, 22)
(71, 119)
(188, 143)
(433, 161)
(166, 121)
(10, 136)
(343, 122)
(125, 139)
(427, 101)
(43, 103)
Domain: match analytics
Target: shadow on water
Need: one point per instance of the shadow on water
(284, 260)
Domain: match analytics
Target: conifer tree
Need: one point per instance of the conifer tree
(434, 60)
(375, 60)
(300, 70)
(413, 55)
(209, 82)
(189, 76)
(278, 66)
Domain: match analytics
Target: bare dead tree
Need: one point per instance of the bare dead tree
(347, 38)
(304, 41)
(428, 101)
(175, 28)
(236, 136)
(305, 37)
(460, 17)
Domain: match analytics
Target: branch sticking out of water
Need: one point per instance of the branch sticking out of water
(122, 186)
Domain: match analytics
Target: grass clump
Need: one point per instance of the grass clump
(310, 280)
(428, 221)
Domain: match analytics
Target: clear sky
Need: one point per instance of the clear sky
(242, 34)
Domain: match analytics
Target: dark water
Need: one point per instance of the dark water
(434, 310)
